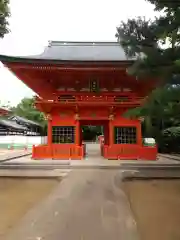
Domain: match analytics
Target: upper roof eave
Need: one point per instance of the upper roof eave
(58, 52)
(14, 59)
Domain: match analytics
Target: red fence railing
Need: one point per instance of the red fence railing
(58, 151)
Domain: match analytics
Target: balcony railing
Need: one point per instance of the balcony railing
(69, 99)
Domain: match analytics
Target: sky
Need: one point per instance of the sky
(34, 22)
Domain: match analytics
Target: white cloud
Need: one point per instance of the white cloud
(34, 22)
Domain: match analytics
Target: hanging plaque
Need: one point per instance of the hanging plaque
(94, 85)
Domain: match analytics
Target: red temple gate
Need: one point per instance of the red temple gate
(80, 84)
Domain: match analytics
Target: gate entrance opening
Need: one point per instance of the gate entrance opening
(92, 141)
(85, 83)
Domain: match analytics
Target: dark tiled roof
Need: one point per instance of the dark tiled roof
(79, 51)
(11, 124)
(24, 120)
(84, 51)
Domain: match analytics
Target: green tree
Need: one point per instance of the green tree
(161, 116)
(4, 14)
(27, 109)
(90, 133)
(155, 44)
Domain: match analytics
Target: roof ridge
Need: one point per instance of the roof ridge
(84, 43)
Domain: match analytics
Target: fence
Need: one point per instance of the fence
(20, 142)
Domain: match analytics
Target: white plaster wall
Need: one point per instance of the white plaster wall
(25, 140)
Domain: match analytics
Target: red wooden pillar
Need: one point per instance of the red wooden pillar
(111, 133)
(77, 133)
(106, 133)
(78, 140)
(139, 134)
(80, 135)
(49, 132)
(49, 129)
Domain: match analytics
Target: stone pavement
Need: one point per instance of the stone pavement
(34, 173)
(87, 205)
(170, 156)
(98, 161)
(6, 155)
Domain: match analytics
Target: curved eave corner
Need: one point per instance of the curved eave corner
(12, 59)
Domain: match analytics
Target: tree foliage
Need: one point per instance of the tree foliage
(154, 43)
(27, 110)
(4, 14)
(165, 5)
(161, 114)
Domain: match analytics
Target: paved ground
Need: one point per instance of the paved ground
(33, 173)
(98, 161)
(18, 196)
(87, 205)
(12, 154)
(175, 157)
(93, 158)
(156, 207)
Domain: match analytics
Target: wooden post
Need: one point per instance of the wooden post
(49, 130)
(106, 133)
(111, 133)
(77, 133)
(139, 134)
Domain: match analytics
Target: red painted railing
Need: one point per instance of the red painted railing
(73, 152)
(129, 151)
(58, 151)
(101, 100)
(84, 98)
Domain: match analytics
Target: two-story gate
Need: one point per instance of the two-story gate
(80, 84)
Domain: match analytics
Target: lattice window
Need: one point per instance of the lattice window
(63, 134)
(125, 135)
